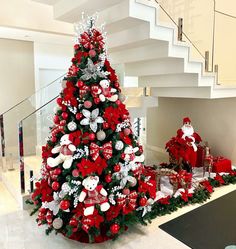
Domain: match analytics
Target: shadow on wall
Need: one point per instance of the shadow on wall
(214, 120)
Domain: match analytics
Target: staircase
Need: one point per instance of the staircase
(147, 48)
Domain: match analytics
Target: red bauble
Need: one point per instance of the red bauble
(118, 102)
(126, 191)
(117, 168)
(55, 186)
(62, 122)
(78, 116)
(117, 85)
(76, 46)
(92, 53)
(108, 178)
(63, 108)
(59, 101)
(57, 171)
(127, 131)
(75, 173)
(143, 201)
(73, 222)
(64, 115)
(91, 136)
(80, 83)
(105, 125)
(114, 228)
(53, 139)
(64, 205)
(96, 101)
(87, 104)
(122, 156)
(56, 119)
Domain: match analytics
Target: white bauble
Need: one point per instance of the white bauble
(63, 83)
(72, 126)
(101, 135)
(119, 145)
(56, 109)
(122, 97)
(57, 223)
(65, 187)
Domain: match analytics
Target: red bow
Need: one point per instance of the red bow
(106, 150)
(128, 202)
(83, 90)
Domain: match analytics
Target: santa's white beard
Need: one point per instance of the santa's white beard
(187, 130)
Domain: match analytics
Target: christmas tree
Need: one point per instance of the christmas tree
(93, 184)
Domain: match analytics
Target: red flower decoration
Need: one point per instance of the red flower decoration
(93, 220)
(111, 115)
(125, 139)
(148, 187)
(43, 189)
(164, 200)
(86, 167)
(128, 202)
(113, 212)
(220, 179)
(75, 137)
(185, 195)
(101, 164)
(46, 152)
(206, 184)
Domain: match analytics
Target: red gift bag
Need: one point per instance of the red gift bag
(200, 156)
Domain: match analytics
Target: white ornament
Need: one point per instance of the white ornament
(119, 145)
(57, 223)
(101, 135)
(72, 126)
(92, 119)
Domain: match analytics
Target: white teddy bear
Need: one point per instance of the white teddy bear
(107, 92)
(131, 157)
(93, 194)
(65, 150)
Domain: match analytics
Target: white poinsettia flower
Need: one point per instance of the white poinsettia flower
(92, 119)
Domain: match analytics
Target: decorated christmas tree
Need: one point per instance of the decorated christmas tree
(93, 184)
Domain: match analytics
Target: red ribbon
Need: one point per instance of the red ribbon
(128, 202)
(106, 150)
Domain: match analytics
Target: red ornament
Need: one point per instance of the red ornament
(96, 101)
(114, 228)
(64, 115)
(126, 191)
(143, 201)
(78, 116)
(108, 178)
(105, 125)
(92, 53)
(91, 136)
(64, 205)
(62, 122)
(76, 46)
(56, 119)
(117, 168)
(87, 104)
(118, 102)
(73, 222)
(53, 139)
(55, 186)
(63, 108)
(122, 156)
(57, 171)
(75, 173)
(117, 85)
(127, 131)
(79, 83)
(59, 101)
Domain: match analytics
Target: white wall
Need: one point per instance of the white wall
(214, 120)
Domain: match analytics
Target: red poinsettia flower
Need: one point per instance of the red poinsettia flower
(42, 188)
(113, 212)
(165, 200)
(125, 139)
(111, 115)
(148, 187)
(46, 152)
(75, 137)
(220, 179)
(101, 164)
(93, 220)
(122, 110)
(185, 195)
(86, 167)
(79, 210)
(207, 186)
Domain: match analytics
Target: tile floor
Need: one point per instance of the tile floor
(19, 230)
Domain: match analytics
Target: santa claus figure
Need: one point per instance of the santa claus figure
(192, 138)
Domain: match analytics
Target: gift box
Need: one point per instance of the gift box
(221, 164)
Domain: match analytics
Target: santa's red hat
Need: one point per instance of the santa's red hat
(186, 120)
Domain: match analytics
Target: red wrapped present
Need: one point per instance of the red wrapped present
(221, 164)
(200, 156)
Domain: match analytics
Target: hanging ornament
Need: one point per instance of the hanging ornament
(96, 101)
(79, 83)
(53, 139)
(143, 201)
(108, 178)
(126, 191)
(91, 136)
(73, 222)
(114, 228)
(55, 186)
(105, 125)
(57, 223)
(101, 135)
(92, 53)
(56, 119)
(78, 116)
(117, 168)
(119, 145)
(72, 126)
(127, 131)
(75, 173)
(87, 104)
(64, 204)
(57, 171)
(64, 115)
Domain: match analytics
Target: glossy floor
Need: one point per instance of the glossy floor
(19, 230)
